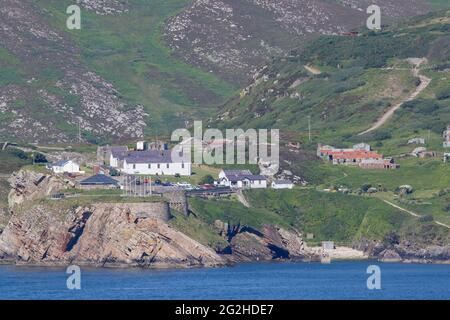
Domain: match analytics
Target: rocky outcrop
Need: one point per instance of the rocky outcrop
(99, 235)
(105, 7)
(270, 243)
(28, 185)
(406, 251)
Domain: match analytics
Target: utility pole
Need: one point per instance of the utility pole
(309, 128)
(79, 130)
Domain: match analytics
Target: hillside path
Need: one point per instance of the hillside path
(313, 70)
(424, 82)
(242, 199)
(413, 213)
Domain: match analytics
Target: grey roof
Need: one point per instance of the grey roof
(99, 179)
(119, 152)
(237, 172)
(239, 175)
(149, 156)
(60, 163)
(119, 149)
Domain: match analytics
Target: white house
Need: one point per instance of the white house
(416, 141)
(65, 166)
(446, 136)
(242, 179)
(141, 145)
(362, 146)
(153, 162)
(446, 157)
(282, 184)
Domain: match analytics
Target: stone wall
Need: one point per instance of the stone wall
(155, 210)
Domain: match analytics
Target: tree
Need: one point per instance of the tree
(365, 187)
(208, 179)
(40, 158)
(114, 172)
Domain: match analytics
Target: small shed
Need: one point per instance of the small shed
(99, 181)
(328, 245)
(282, 184)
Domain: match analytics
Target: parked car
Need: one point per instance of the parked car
(207, 186)
(185, 185)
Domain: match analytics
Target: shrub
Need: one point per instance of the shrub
(20, 154)
(443, 94)
(426, 218)
(40, 158)
(208, 179)
(366, 187)
(447, 207)
(114, 172)
(382, 135)
(391, 239)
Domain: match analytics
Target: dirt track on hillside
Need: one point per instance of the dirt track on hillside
(424, 82)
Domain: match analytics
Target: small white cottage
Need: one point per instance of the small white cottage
(242, 179)
(65, 166)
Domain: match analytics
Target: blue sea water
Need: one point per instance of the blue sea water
(338, 280)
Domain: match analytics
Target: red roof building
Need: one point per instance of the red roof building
(362, 157)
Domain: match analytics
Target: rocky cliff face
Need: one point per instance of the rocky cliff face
(99, 235)
(406, 250)
(42, 232)
(270, 243)
(28, 185)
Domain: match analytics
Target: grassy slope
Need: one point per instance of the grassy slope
(428, 177)
(329, 216)
(12, 160)
(128, 51)
(198, 230)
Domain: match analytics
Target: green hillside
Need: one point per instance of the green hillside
(350, 81)
(345, 84)
(128, 51)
